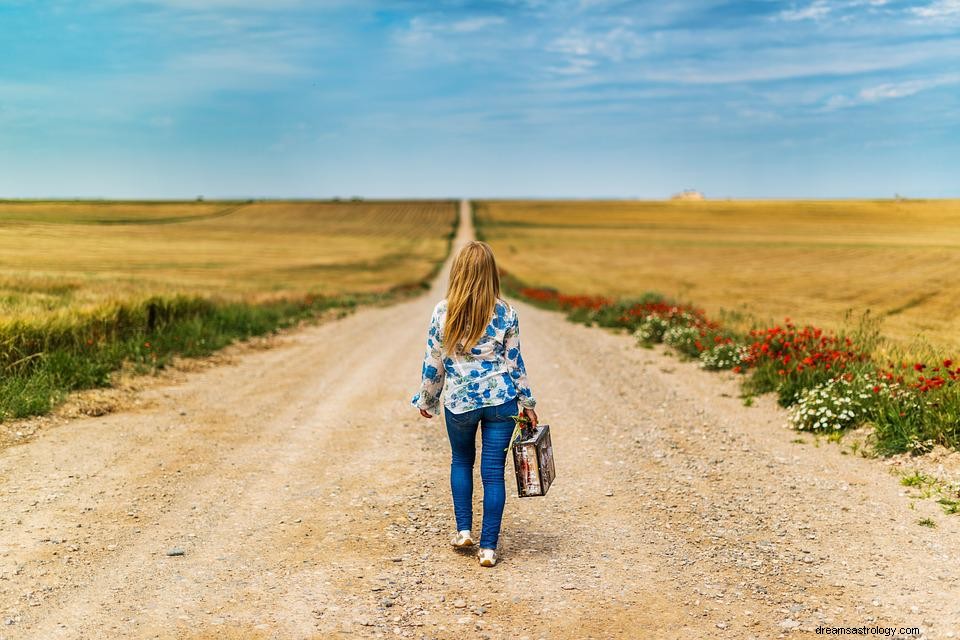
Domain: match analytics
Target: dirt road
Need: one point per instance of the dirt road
(309, 500)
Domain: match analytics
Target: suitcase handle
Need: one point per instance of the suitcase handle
(519, 423)
(522, 432)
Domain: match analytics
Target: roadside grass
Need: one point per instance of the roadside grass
(946, 494)
(829, 382)
(916, 479)
(950, 506)
(43, 362)
(66, 327)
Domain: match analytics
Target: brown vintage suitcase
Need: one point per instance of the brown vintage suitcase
(533, 461)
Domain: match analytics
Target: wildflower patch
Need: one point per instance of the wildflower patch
(829, 382)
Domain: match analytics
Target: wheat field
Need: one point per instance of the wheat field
(810, 260)
(62, 257)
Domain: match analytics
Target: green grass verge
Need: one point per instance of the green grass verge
(41, 362)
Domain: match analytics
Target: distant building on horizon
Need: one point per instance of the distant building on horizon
(688, 194)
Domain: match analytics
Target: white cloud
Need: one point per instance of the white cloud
(938, 10)
(421, 32)
(416, 32)
(616, 44)
(819, 9)
(585, 50)
(478, 23)
(819, 62)
(814, 11)
(574, 66)
(890, 91)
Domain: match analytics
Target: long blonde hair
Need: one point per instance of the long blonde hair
(471, 295)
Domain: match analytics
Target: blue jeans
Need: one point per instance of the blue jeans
(495, 430)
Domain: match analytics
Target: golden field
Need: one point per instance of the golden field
(809, 260)
(60, 257)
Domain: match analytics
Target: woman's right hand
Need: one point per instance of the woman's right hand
(532, 416)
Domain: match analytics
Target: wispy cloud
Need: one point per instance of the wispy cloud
(426, 34)
(584, 48)
(478, 23)
(581, 53)
(814, 11)
(938, 10)
(890, 91)
(841, 10)
(770, 63)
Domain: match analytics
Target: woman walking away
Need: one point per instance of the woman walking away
(474, 346)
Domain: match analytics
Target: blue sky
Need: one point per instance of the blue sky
(566, 98)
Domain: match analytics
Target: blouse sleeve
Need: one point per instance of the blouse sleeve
(511, 343)
(432, 372)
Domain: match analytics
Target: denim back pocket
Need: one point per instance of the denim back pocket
(506, 410)
(462, 420)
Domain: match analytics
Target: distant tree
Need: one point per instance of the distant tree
(199, 198)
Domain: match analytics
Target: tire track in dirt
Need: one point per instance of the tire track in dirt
(312, 502)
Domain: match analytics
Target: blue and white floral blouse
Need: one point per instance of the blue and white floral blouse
(491, 373)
